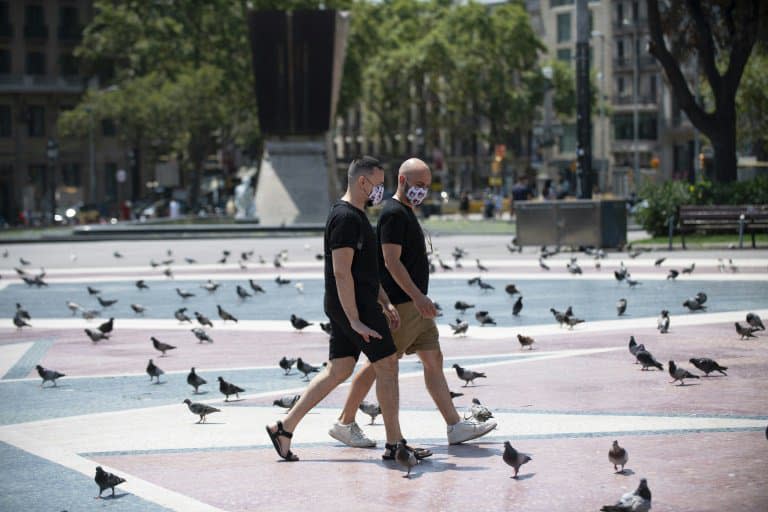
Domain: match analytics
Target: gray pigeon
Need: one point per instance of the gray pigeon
(511, 289)
(242, 292)
(299, 323)
(647, 360)
(701, 297)
(20, 322)
(480, 412)
(225, 315)
(326, 327)
(255, 286)
(618, 456)
(745, 332)
(96, 335)
(181, 316)
(154, 371)
(74, 307)
(159, 345)
(637, 501)
(106, 481)
(306, 368)
(755, 321)
(286, 402)
(138, 309)
(462, 306)
(559, 316)
(194, 380)
(634, 347)
(48, 375)
(468, 376)
(573, 321)
(679, 374)
(286, 364)
(693, 305)
(672, 274)
(484, 318)
(621, 306)
(201, 410)
(210, 286)
(460, 327)
(203, 320)
(707, 365)
(22, 313)
(659, 261)
(107, 326)
(227, 388)
(105, 303)
(201, 335)
(370, 409)
(405, 457)
(662, 324)
(141, 285)
(689, 270)
(518, 306)
(514, 458)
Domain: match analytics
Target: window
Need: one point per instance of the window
(36, 121)
(5, 62)
(4, 18)
(558, 3)
(108, 128)
(623, 128)
(34, 15)
(652, 87)
(567, 141)
(564, 54)
(110, 181)
(620, 49)
(69, 26)
(591, 22)
(5, 120)
(68, 65)
(36, 176)
(70, 174)
(635, 11)
(563, 27)
(35, 63)
(620, 86)
(619, 13)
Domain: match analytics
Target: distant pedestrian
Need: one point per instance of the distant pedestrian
(464, 204)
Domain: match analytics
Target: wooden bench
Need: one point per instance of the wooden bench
(741, 219)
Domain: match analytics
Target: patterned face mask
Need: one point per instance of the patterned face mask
(377, 194)
(416, 195)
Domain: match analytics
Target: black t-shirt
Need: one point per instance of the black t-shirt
(399, 225)
(348, 226)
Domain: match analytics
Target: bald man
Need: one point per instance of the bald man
(404, 273)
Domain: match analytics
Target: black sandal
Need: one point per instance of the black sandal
(419, 453)
(290, 456)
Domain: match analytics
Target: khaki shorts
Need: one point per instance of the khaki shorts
(415, 332)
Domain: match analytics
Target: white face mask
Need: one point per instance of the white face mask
(416, 195)
(377, 193)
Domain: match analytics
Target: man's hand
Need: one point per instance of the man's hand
(393, 317)
(425, 306)
(364, 331)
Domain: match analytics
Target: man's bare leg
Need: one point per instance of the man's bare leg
(434, 379)
(361, 385)
(388, 393)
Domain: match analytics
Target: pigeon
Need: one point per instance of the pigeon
(107, 326)
(693, 305)
(679, 374)
(662, 324)
(224, 315)
(462, 306)
(167, 262)
(22, 313)
(184, 294)
(168, 273)
(203, 320)
(569, 311)
(181, 315)
(256, 287)
(227, 388)
(189, 260)
(632, 283)
(210, 286)
(20, 322)
(105, 303)
(480, 266)
(153, 263)
(280, 281)
(480, 412)
(525, 341)
(484, 318)
(306, 368)
(286, 402)
(405, 457)
(559, 316)
(637, 501)
(620, 275)
(242, 292)
(96, 335)
(154, 371)
(444, 265)
(106, 480)
(299, 323)
(160, 346)
(194, 380)
(485, 286)
(689, 270)
(48, 375)
(474, 280)
(634, 347)
(286, 364)
(647, 360)
(460, 327)
(93, 291)
(618, 456)
(370, 409)
(201, 335)
(201, 410)
(141, 285)
(707, 365)
(518, 306)
(744, 332)
(701, 297)
(573, 321)
(326, 327)
(573, 267)
(511, 289)
(138, 308)
(74, 307)
(659, 261)
(90, 314)
(672, 274)
(621, 306)
(468, 376)
(543, 265)
(514, 458)
(755, 321)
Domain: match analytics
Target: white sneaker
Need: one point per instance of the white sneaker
(351, 435)
(466, 430)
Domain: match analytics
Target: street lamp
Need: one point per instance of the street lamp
(635, 99)
(52, 151)
(603, 155)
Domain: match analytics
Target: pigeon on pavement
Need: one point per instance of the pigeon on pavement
(514, 458)
(154, 371)
(754, 320)
(227, 388)
(201, 410)
(518, 306)
(48, 375)
(672, 274)
(194, 380)
(299, 323)
(647, 360)
(96, 335)
(286, 364)
(463, 306)
(745, 332)
(106, 480)
(181, 315)
(370, 409)
(107, 326)
(707, 365)
(679, 374)
(468, 376)
(480, 412)
(105, 303)
(160, 346)
(662, 324)
(201, 335)
(693, 305)
(405, 457)
(525, 341)
(634, 347)
(225, 315)
(138, 309)
(637, 501)
(306, 368)
(286, 402)
(460, 327)
(203, 320)
(618, 456)
(141, 285)
(256, 287)
(242, 292)
(621, 306)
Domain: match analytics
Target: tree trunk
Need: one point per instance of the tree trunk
(724, 146)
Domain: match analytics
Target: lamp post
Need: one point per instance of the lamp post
(52, 151)
(91, 162)
(635, 99)
(601, 105)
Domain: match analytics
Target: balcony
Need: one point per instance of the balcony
(644, 100)
(70, 33)
(627, 26)
(626, 63)
(39, 32)
(6, 31)
(40, 84)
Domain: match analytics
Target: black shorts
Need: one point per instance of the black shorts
(345, 342)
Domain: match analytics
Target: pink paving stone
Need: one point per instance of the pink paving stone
(711, 472)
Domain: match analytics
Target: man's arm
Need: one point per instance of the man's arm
(399, 273)
(345, 287)
(389, 309)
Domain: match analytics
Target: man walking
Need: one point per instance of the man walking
(404, 272)
(357, 306)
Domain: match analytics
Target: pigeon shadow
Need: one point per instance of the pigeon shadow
(689, 384)
(234, 400)
(625, 472)
(525, 476)
(115, 496)
(201, 393)
(160, 382)
(211, 423)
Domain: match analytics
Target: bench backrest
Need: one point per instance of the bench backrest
(752, 212)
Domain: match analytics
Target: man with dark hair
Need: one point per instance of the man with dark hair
(404, 272)
(358, 308)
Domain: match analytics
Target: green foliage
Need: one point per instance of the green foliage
(664, 199)
(752, 103)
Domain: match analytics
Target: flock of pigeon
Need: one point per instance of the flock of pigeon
(639, 500)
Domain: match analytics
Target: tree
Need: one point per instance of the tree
(720, 35)
(752, 105)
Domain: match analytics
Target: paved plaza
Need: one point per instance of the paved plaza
(702, 446)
